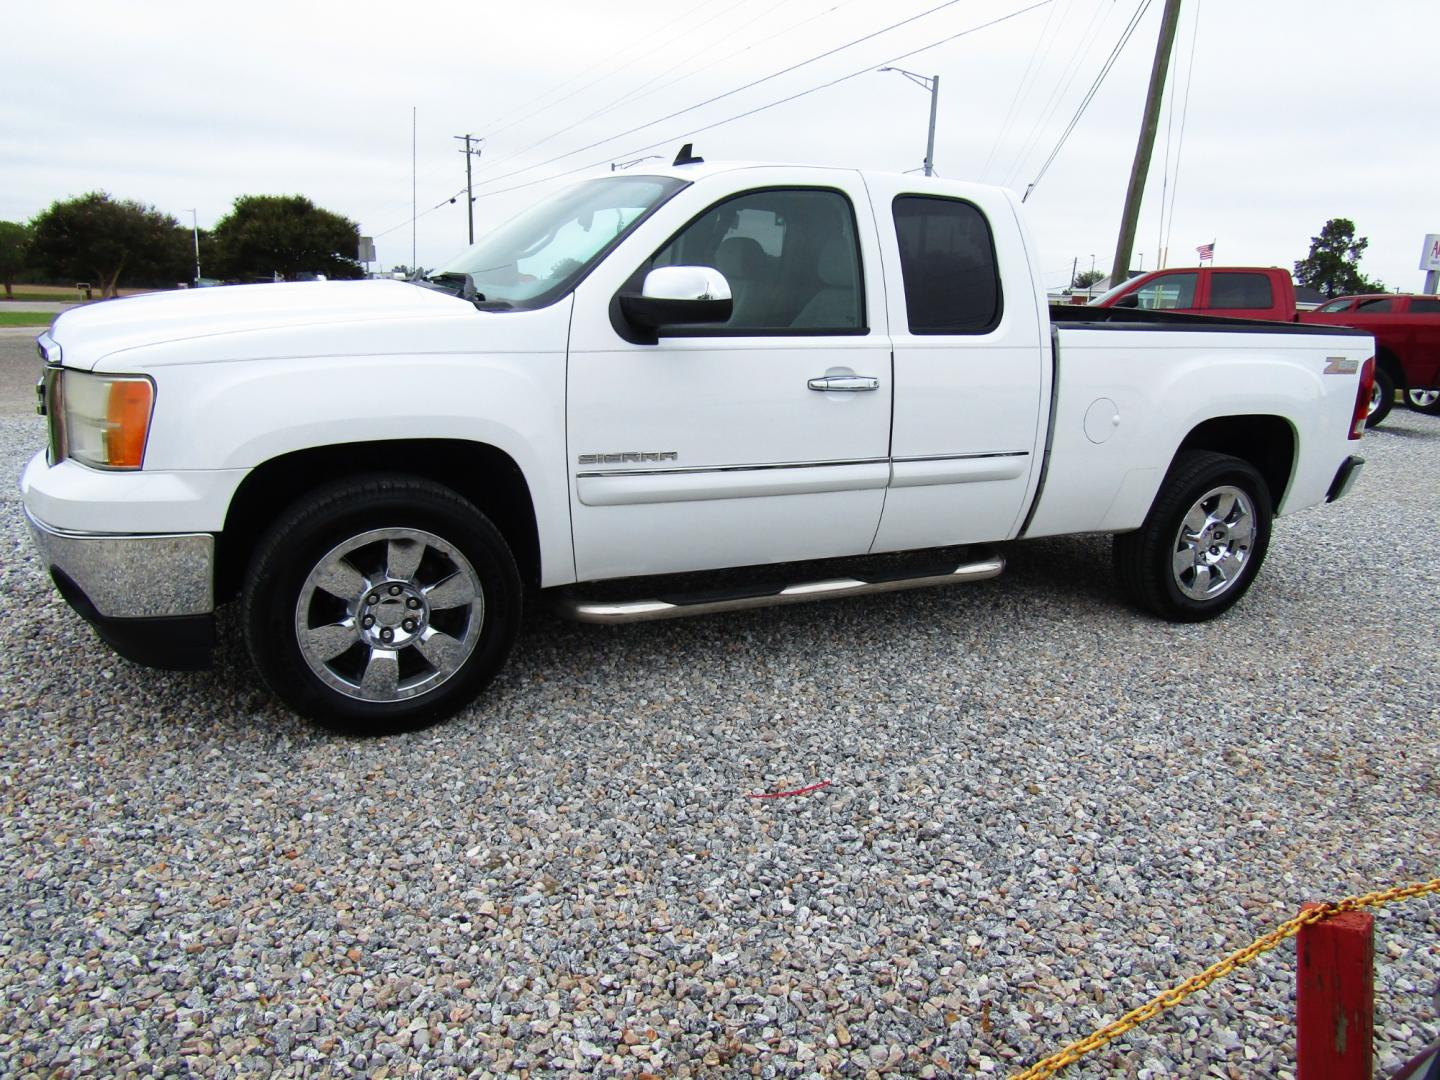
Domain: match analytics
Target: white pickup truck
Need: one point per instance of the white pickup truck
(705, 388)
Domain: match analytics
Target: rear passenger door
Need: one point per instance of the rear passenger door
(971, 369)
(1424, 317)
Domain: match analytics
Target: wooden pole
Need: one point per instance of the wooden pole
(1150, 120)
(1335, 998)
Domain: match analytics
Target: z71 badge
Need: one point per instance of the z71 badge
(628, 457)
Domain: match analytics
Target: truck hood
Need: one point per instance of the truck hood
(89, 334)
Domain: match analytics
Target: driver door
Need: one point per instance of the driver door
(764, 439)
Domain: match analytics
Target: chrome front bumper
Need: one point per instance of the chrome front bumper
(133, 577)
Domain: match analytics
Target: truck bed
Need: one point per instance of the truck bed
(1076, 317)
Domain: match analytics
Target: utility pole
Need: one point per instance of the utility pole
(195, 230)
(930, 142)
(932, 84)
(469, 196)
(1148, 124)
(414, 188)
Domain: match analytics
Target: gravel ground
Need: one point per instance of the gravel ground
(1043, 808)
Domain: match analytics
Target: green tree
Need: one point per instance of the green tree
(97, 238)
(14, 243)
(1085, 278)
(1333, 265)
(284, 234)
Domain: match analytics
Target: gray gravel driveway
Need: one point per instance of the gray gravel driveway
(1043, 808)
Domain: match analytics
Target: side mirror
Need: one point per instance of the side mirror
(1132, 301)
(679, 295)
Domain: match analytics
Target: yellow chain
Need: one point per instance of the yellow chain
(1051, 1065)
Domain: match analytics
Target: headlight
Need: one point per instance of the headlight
(104, 420)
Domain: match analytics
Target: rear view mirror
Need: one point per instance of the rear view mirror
(1132, 300)
(679, 295)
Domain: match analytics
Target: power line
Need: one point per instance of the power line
(768, 37)
(491, 131)
(630, 93)
(740, 89)
(1090, 94)
(730, 119)
(782, 101)
(1015, 99)
(617, 61)
(1084, 43)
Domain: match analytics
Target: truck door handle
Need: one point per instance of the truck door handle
(849, 383)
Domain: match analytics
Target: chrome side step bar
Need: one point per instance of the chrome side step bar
(591, 611)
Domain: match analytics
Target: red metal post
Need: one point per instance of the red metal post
(1335, 998)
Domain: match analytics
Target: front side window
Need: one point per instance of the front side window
(947, 259)
(1168, 291)
(1234, 290)
(790, 256)
(1373, 307)
(1334, 306)
(538, 256)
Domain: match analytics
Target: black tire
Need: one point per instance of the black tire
(1382, 398)
(349, 563)
(1424, 400)
(1165, 569)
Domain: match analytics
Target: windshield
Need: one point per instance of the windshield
(539, 255)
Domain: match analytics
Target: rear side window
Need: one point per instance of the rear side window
(1425, 307)
(1231, 290)
(947, 260)
(1373, 307)
(1168, 291)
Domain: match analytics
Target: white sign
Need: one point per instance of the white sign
(367, 248)
(1430, 257)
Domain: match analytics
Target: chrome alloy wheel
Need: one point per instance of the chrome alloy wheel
(1213, 544)
(1377, 395)
(1422, 399)
(389, 614)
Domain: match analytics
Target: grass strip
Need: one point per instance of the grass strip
(26, 318)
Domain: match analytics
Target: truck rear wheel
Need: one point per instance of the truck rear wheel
(1381, 397)
(1202, 542)
(380, 604)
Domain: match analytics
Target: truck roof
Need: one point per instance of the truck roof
(700, 169)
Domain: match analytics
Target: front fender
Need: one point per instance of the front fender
(233, 415)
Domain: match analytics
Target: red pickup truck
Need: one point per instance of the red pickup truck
(1237, 292)
(1407, 345)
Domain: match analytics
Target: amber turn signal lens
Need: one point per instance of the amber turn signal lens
(128, 422)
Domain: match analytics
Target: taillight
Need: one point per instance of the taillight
(1363, 393)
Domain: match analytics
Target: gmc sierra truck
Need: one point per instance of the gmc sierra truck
(706, 388)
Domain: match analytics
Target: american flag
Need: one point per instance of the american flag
(1206, 251)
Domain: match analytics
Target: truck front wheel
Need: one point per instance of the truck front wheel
(380, 604)
(1202, 542)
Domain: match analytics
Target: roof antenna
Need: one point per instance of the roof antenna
(687, 156)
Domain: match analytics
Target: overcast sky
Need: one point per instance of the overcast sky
(1297, 111)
